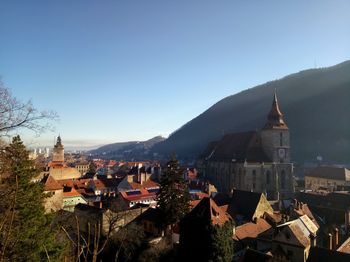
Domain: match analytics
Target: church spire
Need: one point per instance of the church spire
(275, 117)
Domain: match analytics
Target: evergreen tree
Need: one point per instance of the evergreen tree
(221, 242)
(173, 196)
(25, 231)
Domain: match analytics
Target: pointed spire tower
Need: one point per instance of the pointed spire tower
(275, 134)
(58, 152)
(275, 116)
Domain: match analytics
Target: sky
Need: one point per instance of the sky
(131, 70)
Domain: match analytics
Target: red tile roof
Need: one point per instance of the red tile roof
(144, 194)
(51, 184)
(71, 193)
(207, 209)
(251, 229)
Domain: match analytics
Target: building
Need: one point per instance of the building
(294, 239)
(53, 195)
(257, 161)
(199, 229)
(244, 206)
(327, 178)
(57, 168)
(58, 152)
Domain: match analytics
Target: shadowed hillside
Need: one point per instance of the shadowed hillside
(316, 107)
(133, 150)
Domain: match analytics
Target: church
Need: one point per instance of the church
(57, 167)
(257, 161)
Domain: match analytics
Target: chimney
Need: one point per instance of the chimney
(335, 238)
(329, 242)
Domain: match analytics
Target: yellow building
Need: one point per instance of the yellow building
(327, 178)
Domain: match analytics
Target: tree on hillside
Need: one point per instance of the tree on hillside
(173, 196)
(25, 231)
(15, 114)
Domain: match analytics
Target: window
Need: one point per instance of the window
(281, 139)
(283, 179)
(254, 179)
(268, 177)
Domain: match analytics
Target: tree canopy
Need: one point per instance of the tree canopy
(26, 233)
(173, 196)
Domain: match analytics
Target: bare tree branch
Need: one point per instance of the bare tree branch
(15, 114)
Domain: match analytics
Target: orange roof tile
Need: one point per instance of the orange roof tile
(51, 184)
(72, 193)
(252, 230)
(207, 209)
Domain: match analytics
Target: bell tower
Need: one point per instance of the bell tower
(275, 135)
(58, 151)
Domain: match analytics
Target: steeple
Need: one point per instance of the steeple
(58, 151)
(275, 117)
(59, 142)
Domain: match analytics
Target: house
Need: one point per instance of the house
(247, 235)
(327, 178)
(53, 195)
(198, 230)
(333, 208)
(71, 198)
(150, 220)
(107, 186)
(249, 255)
(244, 206)
(294, 239)
(138, 189)
(140, 196)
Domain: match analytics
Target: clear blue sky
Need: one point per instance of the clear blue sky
(130, 70)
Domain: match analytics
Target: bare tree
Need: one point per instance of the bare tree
(15, 114)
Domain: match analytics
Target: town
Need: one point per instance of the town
(243, 185)
(174, 131)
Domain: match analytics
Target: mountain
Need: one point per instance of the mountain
(316, 107)
(127, 150)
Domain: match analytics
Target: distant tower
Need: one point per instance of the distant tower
(275, 135)
(47, 152)
(58, 151)
(276, 144)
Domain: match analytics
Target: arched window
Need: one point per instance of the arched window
(283, 179)
(281, 139)
(254, 179)
(268, 177)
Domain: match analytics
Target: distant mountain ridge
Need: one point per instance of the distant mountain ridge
(127, 150)
(315, 104)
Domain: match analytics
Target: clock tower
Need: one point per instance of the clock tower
(275, 135)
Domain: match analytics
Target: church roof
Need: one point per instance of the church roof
(237, 147)
(275, 116)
